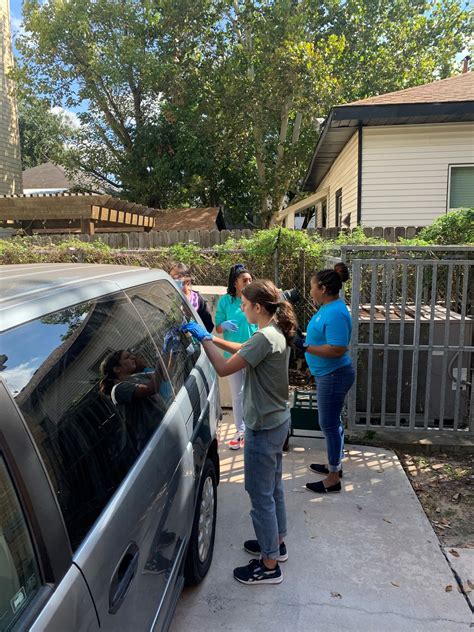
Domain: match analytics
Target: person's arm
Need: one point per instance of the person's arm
(326, 351)
(220, 314)
(223, 366)
(125, 392)
(205, 314)
(337, 334)
(226, 345)
(153, 385)
(145, 390)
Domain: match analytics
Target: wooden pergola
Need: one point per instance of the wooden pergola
(74, 213)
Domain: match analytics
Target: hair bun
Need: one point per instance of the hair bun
(342, 270)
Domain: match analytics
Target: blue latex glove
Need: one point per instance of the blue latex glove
(171, 341)
(229, 325)
(196, 331)
(299, 342)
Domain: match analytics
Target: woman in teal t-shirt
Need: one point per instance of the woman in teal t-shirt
(232, 323)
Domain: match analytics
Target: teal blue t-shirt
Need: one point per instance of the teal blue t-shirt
(229, 308)
(331, 325)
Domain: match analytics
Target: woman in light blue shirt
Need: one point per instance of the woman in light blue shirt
(327, 340)
(232, 323)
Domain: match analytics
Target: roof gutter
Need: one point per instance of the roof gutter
(359, 115)
(322, 136)
(359, 175)
(401, 110)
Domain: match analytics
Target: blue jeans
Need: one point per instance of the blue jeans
(331, 391)
(263, 470)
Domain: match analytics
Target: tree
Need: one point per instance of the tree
(286, 62)
(215, 101)
(43, 134)
(115, 61)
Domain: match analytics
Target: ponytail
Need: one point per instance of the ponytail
(286, 320)
(333, 279)
(342, 270)
(107, 367)
(268, 296)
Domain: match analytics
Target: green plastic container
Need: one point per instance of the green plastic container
(305, 415)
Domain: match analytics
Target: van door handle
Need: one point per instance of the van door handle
(123, 577)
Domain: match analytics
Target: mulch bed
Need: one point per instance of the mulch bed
(444, 485)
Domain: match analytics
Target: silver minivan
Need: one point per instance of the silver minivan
(107, 498)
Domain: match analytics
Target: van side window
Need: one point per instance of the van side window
(76, 375)
(164, 311)
(19, 575)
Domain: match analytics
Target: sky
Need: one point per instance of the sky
(24, 360)
(15, 13)
(16, 19)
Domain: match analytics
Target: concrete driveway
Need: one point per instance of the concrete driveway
(364, 560)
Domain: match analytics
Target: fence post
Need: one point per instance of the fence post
(355, 302)
(400, 232)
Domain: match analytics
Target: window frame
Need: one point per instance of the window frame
(42, 594)
(40, 510)
(338, 208)
(35, 492)
(450, 168)
(324, 213)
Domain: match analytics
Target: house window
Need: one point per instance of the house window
(324, 214)
(461, 186)
(338, 206)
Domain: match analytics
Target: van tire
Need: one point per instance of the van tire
(195, 568)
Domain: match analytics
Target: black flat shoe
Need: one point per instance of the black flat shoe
(320, 489)
(322, 469)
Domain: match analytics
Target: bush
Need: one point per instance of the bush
(357, 237)
(456, 227)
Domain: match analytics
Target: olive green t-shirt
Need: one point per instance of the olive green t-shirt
(266, 379)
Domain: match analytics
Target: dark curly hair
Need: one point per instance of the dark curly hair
(107, 371)
(332, 279)
(234, 274)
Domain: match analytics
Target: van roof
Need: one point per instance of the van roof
(30, 291)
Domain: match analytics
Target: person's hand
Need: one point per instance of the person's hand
(229, 325)
(299, 342)
(140, 362)
(196, 331)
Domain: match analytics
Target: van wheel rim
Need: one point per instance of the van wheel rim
(206, 519)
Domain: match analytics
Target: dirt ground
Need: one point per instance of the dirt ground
(445, 487)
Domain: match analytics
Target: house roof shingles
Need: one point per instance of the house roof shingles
(444, 101)
(46, 176)
(454, 89)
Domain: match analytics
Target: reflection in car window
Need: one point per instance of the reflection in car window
(88, 440)
(164, 311)
(19, 576)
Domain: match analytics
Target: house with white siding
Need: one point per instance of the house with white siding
(397, 159)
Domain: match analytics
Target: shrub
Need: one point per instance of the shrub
(456, 227)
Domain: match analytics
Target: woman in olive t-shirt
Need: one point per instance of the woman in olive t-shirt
(265, 357)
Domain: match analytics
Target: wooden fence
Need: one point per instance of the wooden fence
(206, 238)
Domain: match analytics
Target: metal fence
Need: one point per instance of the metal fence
(412, 343)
